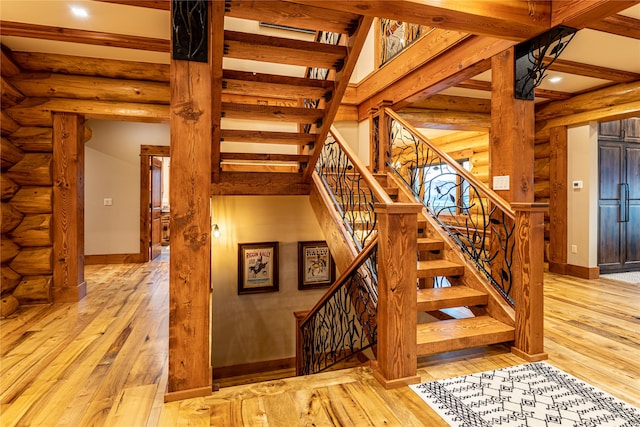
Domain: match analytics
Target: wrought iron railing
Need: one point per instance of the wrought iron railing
(344, 321)
(320, 73)
(353, 190)
(479, 221)
(395, 36)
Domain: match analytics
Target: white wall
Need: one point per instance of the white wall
(112, 170)
(582, 215)
(258, 327)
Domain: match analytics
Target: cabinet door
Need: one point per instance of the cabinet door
(632, 129)
(611, 130)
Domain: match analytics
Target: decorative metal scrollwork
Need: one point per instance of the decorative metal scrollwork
(534, 56)
(353, 199)
(347, 321)
(483, 231)
(397, 36)
(190, 28)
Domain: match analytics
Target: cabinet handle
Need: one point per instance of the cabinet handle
(624, 202)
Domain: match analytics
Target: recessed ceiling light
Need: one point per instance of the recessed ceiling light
(79, 12)
(555, 79)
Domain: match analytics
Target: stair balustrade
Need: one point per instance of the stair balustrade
(477, 219)
(504, 242)
(344, 321)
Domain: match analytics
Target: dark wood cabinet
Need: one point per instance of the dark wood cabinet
(627, 130)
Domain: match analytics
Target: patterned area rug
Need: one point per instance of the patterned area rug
(632, 277)
(530, 395)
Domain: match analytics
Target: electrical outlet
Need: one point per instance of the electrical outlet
(108, 201)
(574, 249)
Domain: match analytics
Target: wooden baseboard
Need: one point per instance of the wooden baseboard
(253, 368)
(588, 273)
(113, 259)
(395, 383)
(188, 394)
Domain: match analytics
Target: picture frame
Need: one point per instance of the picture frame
(316, 268)
(257, 267)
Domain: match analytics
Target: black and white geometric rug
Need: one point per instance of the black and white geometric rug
(529, 395)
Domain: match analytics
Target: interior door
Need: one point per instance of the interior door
(156, 207)
(619, 196)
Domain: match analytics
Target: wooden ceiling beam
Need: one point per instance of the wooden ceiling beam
(619, 94)
(455, 103)
(506, 19)
(446, 119)
(84, 66)
(580, 13)
(540, 93)
(595, 71)
(216, 59)
(620, 25)
(462, 62)
(74, 35)
(293, 15)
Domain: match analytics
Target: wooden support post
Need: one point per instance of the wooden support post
(190, 264)
(397, 297)
(299, 315)
(374, 140)
(511, 147)
(68, 207)
(558, 164)
(383, 137)
(528, 279)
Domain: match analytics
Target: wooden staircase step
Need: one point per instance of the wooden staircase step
(458, 334)
(266, 137)
(428, 244)
(439, 267)
(280, 50)
(432, 299)
(265, 157)
(273, 85)
(271, 113)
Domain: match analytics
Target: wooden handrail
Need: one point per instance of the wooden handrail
(342, 279)
(379, 193)
(493, 197)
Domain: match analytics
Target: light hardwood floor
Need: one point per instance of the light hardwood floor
(103, 361)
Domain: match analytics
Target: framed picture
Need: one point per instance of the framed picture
(257, 267)
(316, 268)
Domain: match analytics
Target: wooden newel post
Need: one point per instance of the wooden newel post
(528, 279)
(299, 315)
(397, 297)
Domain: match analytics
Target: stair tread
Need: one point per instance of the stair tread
(429, 244)
(457, 334)
(439, 267)
(448, 297)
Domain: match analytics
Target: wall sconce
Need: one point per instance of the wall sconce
(216, 231)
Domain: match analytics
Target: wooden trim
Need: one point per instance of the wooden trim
(589, 273)
(620, 25)
(191, 393)
(253, 368)
(582, 272)
(74, 35)
(114, 259)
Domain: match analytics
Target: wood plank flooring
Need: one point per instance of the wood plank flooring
(103, 361)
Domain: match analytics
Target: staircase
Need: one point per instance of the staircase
(457, 311)
(307, 54)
